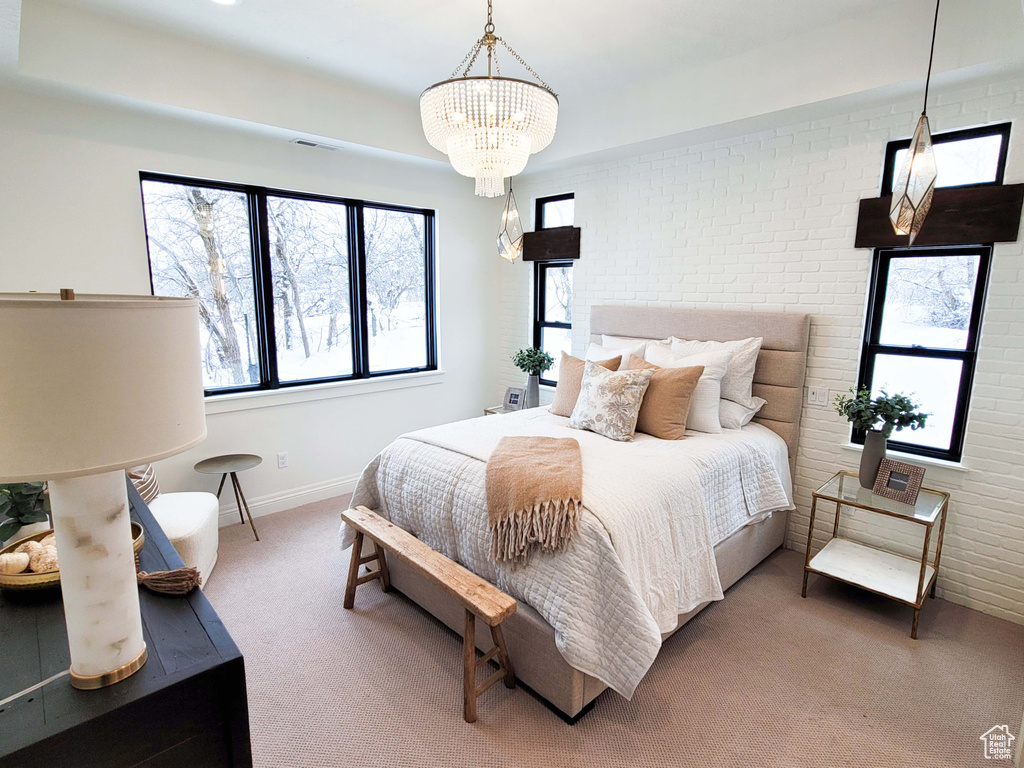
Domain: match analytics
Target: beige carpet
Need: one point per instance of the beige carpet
(764, 678)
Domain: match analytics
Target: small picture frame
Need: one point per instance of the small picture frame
(899, 481)
(515, 399)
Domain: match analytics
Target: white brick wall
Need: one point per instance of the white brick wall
(766, 221)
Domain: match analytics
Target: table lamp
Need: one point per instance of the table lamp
(89, 387)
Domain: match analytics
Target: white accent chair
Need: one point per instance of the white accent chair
(189, 520)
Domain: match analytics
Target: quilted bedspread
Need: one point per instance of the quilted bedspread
(644, 552)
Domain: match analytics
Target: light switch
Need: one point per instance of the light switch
(817, 395)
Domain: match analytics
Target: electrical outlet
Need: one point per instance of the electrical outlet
(282, 460)
(817, 395)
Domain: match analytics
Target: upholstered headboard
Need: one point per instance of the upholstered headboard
(779, 376)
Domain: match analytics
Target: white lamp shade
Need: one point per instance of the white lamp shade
(96, 384)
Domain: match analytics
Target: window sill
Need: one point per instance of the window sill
(911, 458)
(247, 401)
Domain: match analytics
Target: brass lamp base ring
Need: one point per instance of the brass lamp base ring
(92, 682)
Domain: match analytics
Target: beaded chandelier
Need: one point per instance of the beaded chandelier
(915, 185)
(489, 126)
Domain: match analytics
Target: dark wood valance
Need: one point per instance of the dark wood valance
(959, 216)
(555, 244)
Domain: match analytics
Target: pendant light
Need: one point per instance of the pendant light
(510, 233)
(489, 126)
(915, 185)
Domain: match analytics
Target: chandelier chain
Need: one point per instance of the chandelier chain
(526, 66)
(474, 49)
(931, 57)
(489, 26)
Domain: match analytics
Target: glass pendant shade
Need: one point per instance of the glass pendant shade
(914, 187)
(510, 233)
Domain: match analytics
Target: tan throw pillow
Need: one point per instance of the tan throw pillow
(143, 477)
(609, 401)
(667, 401)
(570, 376)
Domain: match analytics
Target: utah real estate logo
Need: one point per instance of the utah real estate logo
(998, 743)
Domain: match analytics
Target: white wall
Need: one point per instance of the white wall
(71, 216)
(766, 221)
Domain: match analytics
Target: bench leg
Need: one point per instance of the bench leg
(503, 659)
(469, 668)
(382, 565)
(353, 571)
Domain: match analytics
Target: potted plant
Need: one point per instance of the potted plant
(24, 509)
(533, 362)
(878, 417)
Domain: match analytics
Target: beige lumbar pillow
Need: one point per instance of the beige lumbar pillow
(667, 401)
(570, 376)
(610, 401)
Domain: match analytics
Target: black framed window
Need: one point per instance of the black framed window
(552, 287)
(924, 319)
(925, 303)
(974, 157)
(293, 288)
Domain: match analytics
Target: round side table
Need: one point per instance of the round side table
(230, 464)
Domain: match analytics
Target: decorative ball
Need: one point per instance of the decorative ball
(44, 560)
(31, 547)
(13, 562)
(48, 541)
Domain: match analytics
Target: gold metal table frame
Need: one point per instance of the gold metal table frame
(871, 502)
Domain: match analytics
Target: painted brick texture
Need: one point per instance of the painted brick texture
(766, 221)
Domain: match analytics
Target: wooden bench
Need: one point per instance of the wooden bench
(480, 598)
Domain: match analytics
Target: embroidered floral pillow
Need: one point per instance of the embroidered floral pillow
(609, 401)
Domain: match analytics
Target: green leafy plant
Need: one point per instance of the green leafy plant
(894, 412)
(533, 361)
(21, 504)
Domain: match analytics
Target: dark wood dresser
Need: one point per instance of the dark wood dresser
(186, 708)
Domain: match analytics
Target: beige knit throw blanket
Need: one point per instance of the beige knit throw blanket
(534, 488)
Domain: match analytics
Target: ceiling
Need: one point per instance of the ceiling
(350, 71)
(579, 47)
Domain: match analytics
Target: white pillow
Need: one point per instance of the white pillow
(626, 342)
(739, 379)
(704, 415)
(609, 401)
(733, 415)
(597, 353)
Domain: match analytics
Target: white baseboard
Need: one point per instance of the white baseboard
(293, 497)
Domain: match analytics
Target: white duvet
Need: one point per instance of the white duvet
(644, 552)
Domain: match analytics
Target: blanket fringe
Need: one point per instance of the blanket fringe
(550, 525)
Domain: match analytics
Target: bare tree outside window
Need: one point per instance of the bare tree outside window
(275, 274)
(200, 247)
(395, 288)
(309, 264)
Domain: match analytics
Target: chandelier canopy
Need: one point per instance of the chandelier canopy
(489, 126)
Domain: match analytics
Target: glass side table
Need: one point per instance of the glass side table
(496, 410)
(902, 578)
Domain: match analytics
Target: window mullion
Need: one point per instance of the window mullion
(357, 284)
(265, 328)
(429, 307)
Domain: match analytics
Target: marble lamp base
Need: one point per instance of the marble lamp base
(97, 577)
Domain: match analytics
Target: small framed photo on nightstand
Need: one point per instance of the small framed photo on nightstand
(515, 399)
(898, 481)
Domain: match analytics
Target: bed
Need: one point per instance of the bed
(667, 525)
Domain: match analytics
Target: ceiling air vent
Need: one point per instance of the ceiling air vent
(314, 145)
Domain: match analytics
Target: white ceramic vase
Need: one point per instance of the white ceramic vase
(871, 457)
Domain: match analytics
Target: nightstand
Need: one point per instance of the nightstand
(496, 410)
(902, 578)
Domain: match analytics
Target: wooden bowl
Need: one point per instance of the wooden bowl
(31, 580)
